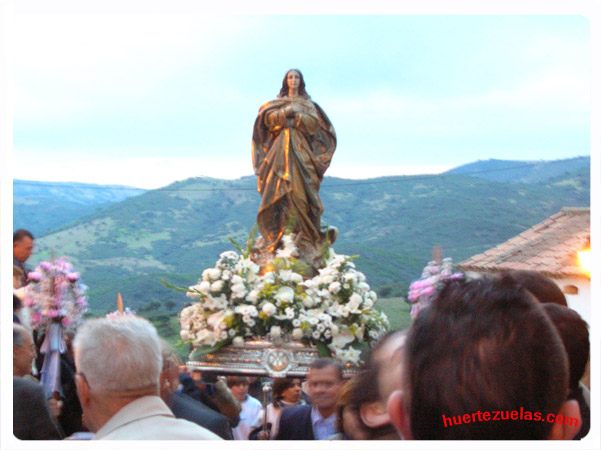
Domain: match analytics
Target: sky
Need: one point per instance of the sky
(129, 96)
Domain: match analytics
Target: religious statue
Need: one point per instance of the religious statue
(292, 146)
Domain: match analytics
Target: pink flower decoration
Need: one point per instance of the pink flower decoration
(73, 276)
(34, 276)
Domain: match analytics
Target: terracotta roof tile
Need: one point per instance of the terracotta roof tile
(549, 247)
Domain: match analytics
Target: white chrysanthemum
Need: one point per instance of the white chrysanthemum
(289, 313)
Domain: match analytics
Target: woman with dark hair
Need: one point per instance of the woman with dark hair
(285, 392)
(293, 144)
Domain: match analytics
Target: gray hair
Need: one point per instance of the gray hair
(19, 331)
(118, 354)
(170, 357)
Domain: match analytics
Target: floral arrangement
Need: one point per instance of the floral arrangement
(423, 291)
(333, 310)
(55, 294)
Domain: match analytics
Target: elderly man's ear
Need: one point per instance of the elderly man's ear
(398, 416)
(83, 390)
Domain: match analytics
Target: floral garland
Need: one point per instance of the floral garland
(334, 310)
(55, 294)
(423, 291)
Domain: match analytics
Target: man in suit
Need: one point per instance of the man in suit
(31, 416)
(316, 421)
(118, 362)
(182, 405)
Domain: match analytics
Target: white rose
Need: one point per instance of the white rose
(226, 275)
(354, 302)
(328, 279)
(289, 313)
(297, 334)
(205, 337)
(308, 302)
(316, 334)
(363, 286)
(367, 303)
(275, 332)
(285, 275)
(238, 290)
(335, 287)
(269, 309)
(216, 319)
(238, 341)
(237, 279)
(217, 286)
(296, 277)
(284, 294)
(204, 287)
(213, 274)
(343, 338)
(252, 296)
(269, 278)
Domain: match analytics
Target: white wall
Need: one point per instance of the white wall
(581, 302)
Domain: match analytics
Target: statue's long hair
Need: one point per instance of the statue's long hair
(301, 89)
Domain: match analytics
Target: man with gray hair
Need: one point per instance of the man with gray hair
(118, 363)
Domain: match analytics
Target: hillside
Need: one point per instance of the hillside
(521, 171)
(42, 206)
(392, 223)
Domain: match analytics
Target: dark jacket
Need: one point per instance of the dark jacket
(31, 416)
(296, 424)
(185, 407)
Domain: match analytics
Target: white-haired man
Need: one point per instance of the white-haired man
(118, 365)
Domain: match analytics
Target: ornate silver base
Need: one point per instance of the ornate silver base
(263, 358)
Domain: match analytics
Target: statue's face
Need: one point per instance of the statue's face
(293, 79)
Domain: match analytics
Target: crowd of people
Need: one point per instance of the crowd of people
(497, 357)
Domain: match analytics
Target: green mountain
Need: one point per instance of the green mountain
(43, 206)
(521, 171)
(175, 232)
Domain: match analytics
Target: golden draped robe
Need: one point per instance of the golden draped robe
(291, 153)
